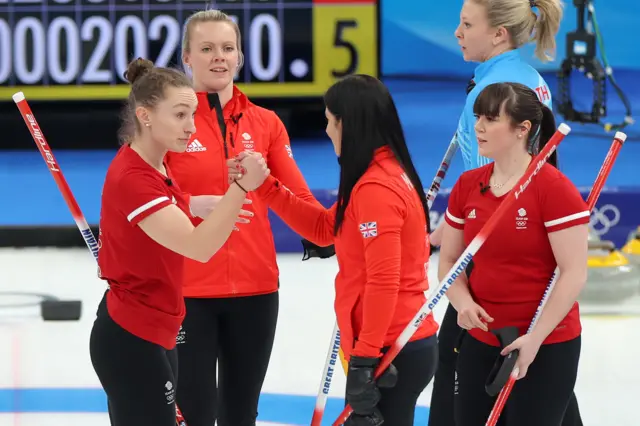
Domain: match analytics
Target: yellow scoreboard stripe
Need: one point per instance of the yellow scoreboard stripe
(106, 92)
(335, 28)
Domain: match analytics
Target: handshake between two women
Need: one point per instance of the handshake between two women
(248, 170)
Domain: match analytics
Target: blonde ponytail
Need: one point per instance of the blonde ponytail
(524, 25)
(546, 28)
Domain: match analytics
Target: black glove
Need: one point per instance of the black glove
(312, 250)
(374, 419)
(362, 392)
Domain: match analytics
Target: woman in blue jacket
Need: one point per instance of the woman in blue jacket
(491, 32)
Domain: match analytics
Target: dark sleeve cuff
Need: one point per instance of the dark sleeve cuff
(312, 250)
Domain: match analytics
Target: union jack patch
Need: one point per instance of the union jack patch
(369, 229)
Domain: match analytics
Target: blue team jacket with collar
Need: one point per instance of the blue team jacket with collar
(506, 67)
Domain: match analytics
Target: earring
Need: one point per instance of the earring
(147, 124)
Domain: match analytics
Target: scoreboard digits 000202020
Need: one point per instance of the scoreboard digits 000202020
(79, 49)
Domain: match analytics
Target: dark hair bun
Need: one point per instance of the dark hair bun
(137, 68)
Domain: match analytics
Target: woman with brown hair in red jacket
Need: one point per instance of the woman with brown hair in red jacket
(232, 300)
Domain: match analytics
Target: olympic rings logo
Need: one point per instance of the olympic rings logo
(521, 224)
(604, 218)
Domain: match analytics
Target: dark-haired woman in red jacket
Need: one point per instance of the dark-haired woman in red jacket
(379, 225)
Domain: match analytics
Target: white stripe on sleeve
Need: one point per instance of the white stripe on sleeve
(566, 219)
(455, 219)
(146, 207)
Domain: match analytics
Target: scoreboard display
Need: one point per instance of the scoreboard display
(79, 49)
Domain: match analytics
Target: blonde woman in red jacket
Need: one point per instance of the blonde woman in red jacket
(232, 300)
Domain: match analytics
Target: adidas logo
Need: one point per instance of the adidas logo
(472, 214)
(196, 146)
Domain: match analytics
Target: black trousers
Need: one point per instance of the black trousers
(139, 377)
(236, 334)
(441, 409)
(539, 399)
(416, 364)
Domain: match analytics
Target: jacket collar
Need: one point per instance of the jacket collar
(383, 153)
(238, 103)
(484, 68)
(379, 154)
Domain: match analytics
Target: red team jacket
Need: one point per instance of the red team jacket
(382, 252)
(145, 297)
(513, 268)
(246, 264)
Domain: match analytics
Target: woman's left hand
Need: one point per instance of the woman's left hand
(528, 345)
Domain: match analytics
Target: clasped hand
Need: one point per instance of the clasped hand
(249, 169)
